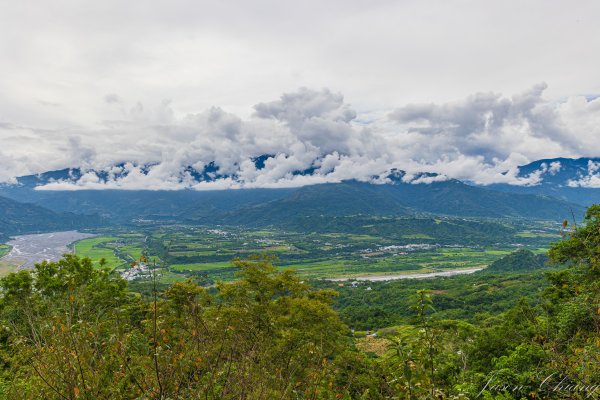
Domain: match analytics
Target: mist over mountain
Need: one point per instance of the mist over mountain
(574, 180)
(553, 194)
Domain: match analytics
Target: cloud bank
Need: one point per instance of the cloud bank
(589, 180)
(309, 137)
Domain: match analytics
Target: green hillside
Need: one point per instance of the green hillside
(19, 218)
(355, 198)
(519, 261)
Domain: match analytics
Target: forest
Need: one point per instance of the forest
(69, 330)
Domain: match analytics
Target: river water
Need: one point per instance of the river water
(27, 250)
(391, 277)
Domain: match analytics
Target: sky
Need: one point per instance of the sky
(351, 89)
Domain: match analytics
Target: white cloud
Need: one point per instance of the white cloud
(200, 53)
(591, 180)
(483, 139)
(94, 84)
(554, 167)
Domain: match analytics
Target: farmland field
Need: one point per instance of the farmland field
(98, 248)
(4, 249)
(208, 252)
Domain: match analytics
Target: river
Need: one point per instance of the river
(27, 250)
(391, 277)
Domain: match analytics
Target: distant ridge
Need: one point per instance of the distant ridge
(439, 198)
(572, 180)
(19, 218)
(567, 180)
(551, 198)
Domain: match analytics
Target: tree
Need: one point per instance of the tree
(573, 303)
(63, 329)
(72, 331)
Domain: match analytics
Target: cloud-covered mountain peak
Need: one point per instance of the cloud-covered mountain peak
(131, 176)
(541, 176)
(563, 172)
(311, 136)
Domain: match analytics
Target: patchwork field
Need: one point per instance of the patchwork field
(207, 252)
(354, 247)
(98, 248)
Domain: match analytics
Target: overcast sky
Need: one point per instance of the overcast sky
(465, 88)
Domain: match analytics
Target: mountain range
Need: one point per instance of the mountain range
(18, 218)
(573, 180)
(553, 194)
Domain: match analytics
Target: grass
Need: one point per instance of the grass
(7, 268)
(201, 266)
(541, 250)
(531, 234)
(281, 248)
(498, 252)
(133, 251)
(418, 236)
(316, 260)
(362, 237)
(169, 277)
(4, 250)
(97, 248)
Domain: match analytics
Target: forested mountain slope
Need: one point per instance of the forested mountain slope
(16, 218)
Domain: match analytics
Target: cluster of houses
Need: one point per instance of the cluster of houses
(136, 271)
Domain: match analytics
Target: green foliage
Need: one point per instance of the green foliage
(553, 351)
(70, 331)
(573, 301)
(473, 298)
(17, 218)
(519, 261)
(3, 248)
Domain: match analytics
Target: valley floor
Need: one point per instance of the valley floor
(379, 254)
(355, 248)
